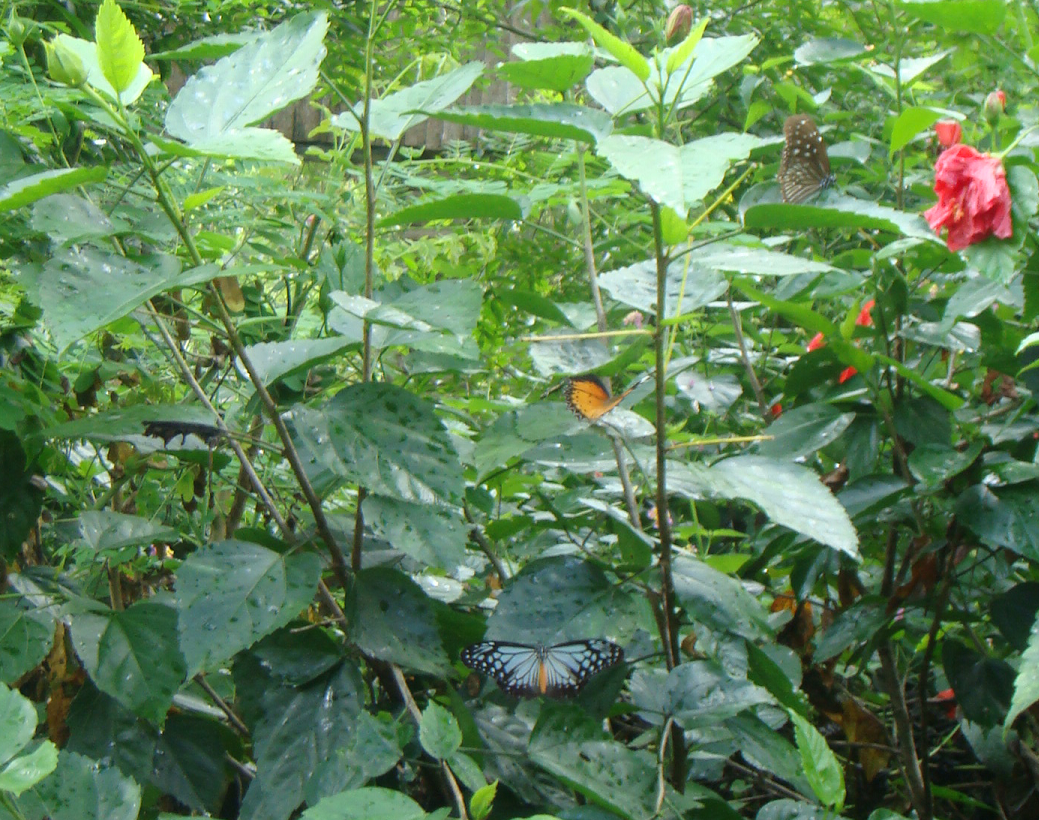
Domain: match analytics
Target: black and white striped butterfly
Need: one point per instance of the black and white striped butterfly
(805, 167)
(527, 671)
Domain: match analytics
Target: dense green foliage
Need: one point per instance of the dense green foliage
(281, 429)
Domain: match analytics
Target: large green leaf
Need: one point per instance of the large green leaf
(838, 211)
(804, 430)
(295, 730)
(108, 531)
(713, 598)
(25, 639)
(968, 16)
(191, 761)
(82, 288)
(133, 655)
(232, 593)
(1026, 684)
(366, 804)
(561, 599)
(550, 120)
(382, 437)
(214, 110)
(82, 788)
(698, 694)
(395, 113)
(789, 494)
(605, 772)
(392, 619)
(459, 206)
(28, 189)
(20, 499)
(678, 177)
(17, 723)
(1002, 519)
(432, 535)
(101, 728)
(553, 66)
(688, 287)
(66, 217)
(275, 360)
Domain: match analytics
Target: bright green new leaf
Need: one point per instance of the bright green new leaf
(119, 49)
(438, 732)
(819, 763)
(624, 52)
(910, 122)
(482, 801)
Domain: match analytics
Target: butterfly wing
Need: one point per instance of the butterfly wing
(588, 397)
(805, 166)
(569, 666)
(515, 667)
(526, 671)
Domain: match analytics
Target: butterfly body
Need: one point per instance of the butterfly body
(588, 397)
(804, 169)
(531, 670)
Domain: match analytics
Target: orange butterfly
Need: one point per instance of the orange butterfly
(588, 397)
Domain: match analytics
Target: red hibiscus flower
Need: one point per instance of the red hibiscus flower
(973, 197)
(865, 318)
(949, 132)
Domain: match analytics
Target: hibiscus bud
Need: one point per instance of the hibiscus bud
(679, 23)
(995, 105)
(64, 65)
(949, 132)
(16, 29)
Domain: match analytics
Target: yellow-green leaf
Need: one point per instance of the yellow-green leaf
(120, 51)
(625, 53)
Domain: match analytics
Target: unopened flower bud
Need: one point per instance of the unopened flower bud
(995, 105)
(949, 132)
(678, 25)
(64, 65)
(16, 29)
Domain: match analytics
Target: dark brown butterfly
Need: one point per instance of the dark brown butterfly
(588, 397)
(805, 167)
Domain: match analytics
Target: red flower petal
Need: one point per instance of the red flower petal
(949, 132)
(865, 318)
(818, 340)
(846, 374)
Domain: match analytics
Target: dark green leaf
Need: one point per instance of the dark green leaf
(984, 686)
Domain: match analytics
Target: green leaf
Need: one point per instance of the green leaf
(623, 52)
(20, 499)
(105, 530)
(120, 51)
(789, 494)
(391, 116)
(435, 536)
(66, 217)
(381, 437)
(28, 189)
(572, 747)
(730, 258)
(797, 313)
(232, 593)
(1014, 612)
(1026, 684)
(968, 16)
(1002, 519)
(393, 620)
(458, 206)
(133, 655)
(549, 120)
(685, 49)
(678, 177)
(295, 732)
(560, 599)
(190, 761)
(101, 728)
(828, 50)
(839, 211)
(910, 122)
(805, 430)
(28, 769)
(17, 723)
(636, 286)
(984, 685)
(213, 111)
(25, 640)
(91, 59)
(119, 425)
(699, 694)
(719, 601)
(366, 804)
(552, 66)
(482, 801)
(438, 732)
(946, 399)
(82, 289)
(819, 763)
(83, 788)
(276, 360)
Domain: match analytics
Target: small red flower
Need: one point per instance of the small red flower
(776, 410)
(846, 374)
(818, 340)
(973, 197)
(865, 318)
(949, 132)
